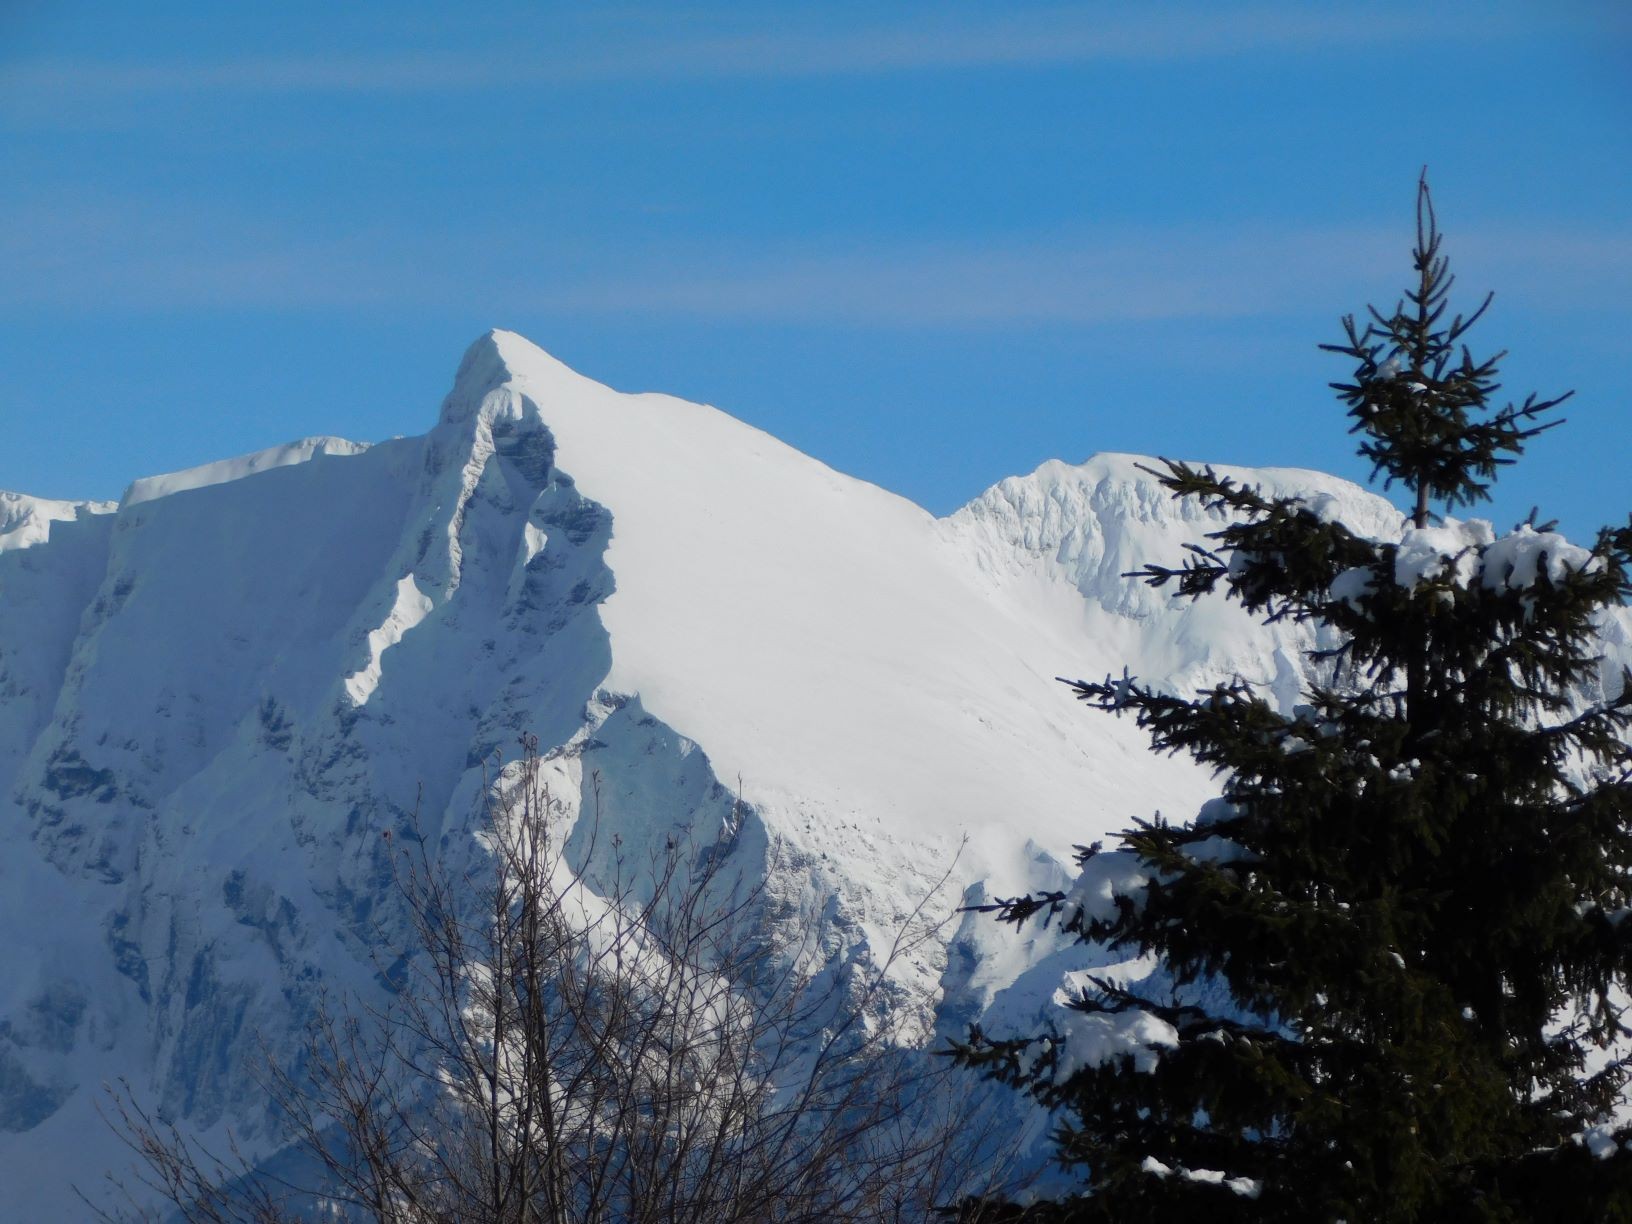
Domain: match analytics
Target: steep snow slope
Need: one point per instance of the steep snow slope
(26, 521)
(1079, 529)
(216, 701)
(221, 472)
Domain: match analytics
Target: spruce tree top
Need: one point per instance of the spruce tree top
(1391, 961)
(1422, 408)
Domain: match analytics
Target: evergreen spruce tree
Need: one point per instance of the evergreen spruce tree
(1393, 956)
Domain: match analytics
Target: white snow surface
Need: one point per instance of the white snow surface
(1247, 1187)
(408, 608)
(1465, 553)
(827, 642)
(26, 521)
(1093, 1039)
(221, 472)
(218, 699)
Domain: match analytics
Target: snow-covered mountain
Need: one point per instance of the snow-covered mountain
(217, 696)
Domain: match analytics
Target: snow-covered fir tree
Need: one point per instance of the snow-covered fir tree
(1383, 976)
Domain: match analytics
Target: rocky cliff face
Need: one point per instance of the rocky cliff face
(218, 697)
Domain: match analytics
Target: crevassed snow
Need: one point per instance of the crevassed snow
(1062, 538)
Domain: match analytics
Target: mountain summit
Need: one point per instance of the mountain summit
(219, 697)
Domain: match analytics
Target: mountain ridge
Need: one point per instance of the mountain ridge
(219, 696)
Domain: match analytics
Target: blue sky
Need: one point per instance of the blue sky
(931, 244)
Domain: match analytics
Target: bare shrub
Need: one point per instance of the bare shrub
(628, 1047)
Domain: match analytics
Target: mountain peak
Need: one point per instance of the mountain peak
(496, 359)
(215, 713)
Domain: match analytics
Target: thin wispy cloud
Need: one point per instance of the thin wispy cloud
(932, 41)
(63, 255)
(1114, 276)
(1077, 280)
